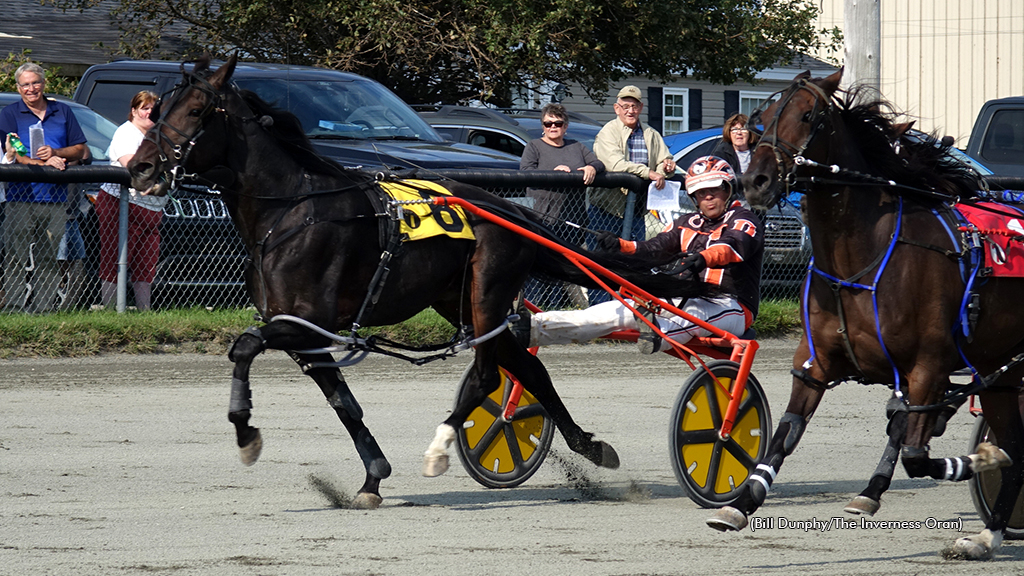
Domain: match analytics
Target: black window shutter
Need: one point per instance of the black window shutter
(732, 103)
(655, 108)
(696, 109)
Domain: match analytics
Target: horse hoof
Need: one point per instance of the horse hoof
(978, 547)
(609, 458)
(366, 501)
(988, 456)
(728, 518)
(434, 466)
(863, 505)
(250, 453)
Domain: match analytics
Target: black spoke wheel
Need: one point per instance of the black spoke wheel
(985, 486)
(500, 454)
(711, 470)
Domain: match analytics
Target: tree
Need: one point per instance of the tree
(457, 50)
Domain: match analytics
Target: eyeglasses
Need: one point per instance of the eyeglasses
(629, 107)
(556, 124)
(738, 130)
(37, 84)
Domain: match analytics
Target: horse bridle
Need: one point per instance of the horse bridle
(181, 150)
(781, 148)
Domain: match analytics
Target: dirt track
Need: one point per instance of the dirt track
(127, 464)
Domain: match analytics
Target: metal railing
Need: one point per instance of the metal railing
(201, 258)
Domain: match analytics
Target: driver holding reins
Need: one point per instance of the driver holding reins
(723, 242)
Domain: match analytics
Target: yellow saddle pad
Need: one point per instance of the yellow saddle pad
(427, 220)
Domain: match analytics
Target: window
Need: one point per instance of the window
(751, 100)
(1004, 143)
(676, 111)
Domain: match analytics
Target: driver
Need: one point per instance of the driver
(723, 242)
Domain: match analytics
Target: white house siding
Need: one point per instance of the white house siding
(942, 59)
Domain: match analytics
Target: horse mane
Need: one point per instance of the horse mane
(286, 128)
(924, 164)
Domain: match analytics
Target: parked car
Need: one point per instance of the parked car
(98, 132)
(353, 120)
(508, 131)
(998, 136)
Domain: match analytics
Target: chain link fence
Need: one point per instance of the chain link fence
(199, 259)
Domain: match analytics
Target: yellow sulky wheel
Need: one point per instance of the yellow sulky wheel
(985, 486)
(709, 469)
(500, 454)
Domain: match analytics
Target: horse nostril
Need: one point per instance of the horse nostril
(142, 168)
(760, 182)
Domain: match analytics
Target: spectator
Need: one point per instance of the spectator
(144, 212)
(735, 147)
(626, 145)
(36, 212)
(554, 152)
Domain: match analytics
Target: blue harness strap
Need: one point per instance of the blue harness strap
(969, 268)
(851, 283)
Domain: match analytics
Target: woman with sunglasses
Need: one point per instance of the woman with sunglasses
(554, 151)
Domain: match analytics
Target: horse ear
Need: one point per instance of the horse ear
(901, 129)
(831, 83)
(223, 74)
(805, 75)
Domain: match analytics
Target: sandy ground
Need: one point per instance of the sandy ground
(127, 465)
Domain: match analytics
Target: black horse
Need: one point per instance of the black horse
(885, 300)
(313, 232)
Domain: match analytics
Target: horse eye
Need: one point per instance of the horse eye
(807, 117)
(194, 112)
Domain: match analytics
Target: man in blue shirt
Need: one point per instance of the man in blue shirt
(36, 212)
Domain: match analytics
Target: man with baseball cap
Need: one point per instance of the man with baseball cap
(722, 242)
(626, 145)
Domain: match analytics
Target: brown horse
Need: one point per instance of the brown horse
(884, 301)
(322, 261)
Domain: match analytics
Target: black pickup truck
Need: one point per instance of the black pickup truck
(351, 119)
(997, 140)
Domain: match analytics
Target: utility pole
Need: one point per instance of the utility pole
(862, 28)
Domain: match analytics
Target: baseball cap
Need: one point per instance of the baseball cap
(630, 92)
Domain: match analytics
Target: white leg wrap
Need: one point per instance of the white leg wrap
(435, 459)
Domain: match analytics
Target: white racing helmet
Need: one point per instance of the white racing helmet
(709, 172)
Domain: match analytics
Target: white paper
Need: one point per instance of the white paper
(35, 138)
(666, 199)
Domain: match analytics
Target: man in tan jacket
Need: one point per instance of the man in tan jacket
(626, 145)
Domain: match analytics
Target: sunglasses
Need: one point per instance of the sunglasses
(557, 124)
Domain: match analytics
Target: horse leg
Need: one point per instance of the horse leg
(803, 401)
(869, 500)
(245, 348)
(535, 378)
(530, 371)
(1003, 415)
(275, 335)
(340, 397)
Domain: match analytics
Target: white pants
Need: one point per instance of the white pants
(577, 326)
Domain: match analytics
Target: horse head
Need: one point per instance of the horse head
(790, 126)
(183, 139)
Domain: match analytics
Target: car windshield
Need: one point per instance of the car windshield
(98, 133)
(343, 110)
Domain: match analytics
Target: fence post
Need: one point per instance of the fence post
(122, 251)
